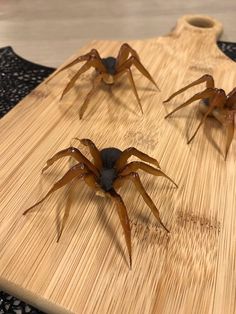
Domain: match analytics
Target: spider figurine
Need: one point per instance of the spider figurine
(108, 70)
(215, 103)
(108, 172)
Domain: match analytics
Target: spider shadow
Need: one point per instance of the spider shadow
(191, 125)
(103, 220)
(174, 122)
(214, 124)
(64, 207)
(117, 100)
(124, 84)
(143, 218)
(69, 198)
(146, 217)
(41, 209)
(93, 108)
(210, 123)
(127, 86)
(66, 108)
(70, 110)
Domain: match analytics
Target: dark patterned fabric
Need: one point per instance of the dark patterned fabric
(18, 77)
(11, 305)
(228, 48)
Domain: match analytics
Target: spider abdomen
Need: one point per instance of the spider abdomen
(110, 65)
(108, 172)
(107, 178)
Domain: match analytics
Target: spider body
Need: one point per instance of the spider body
(108, 70)
(108, 171)
(215, 103)
(110, 65)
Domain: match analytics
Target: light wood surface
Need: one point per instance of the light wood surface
(49, 32)
(191, 270)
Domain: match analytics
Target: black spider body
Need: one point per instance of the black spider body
(108, 172)
(110, 65)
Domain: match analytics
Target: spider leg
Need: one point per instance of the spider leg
(94, 52)
(231, 101)
(124, 219)
(131, 79)
(76, 171)
(230, 132)
(134, 61)
(134, 177)
(91, 63)
(123, 54)
(136, 165)
(71, 83)
(86, 57)
(96, 82)
(216, 102)
(91, 182)
(94, 151)
(207, 93)
(132, 151)
(205, 78)
(232, 93)
(76, 154)
(200, 124)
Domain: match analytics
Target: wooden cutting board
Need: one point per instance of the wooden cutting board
(191, 270)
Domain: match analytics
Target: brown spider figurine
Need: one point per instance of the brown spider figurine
(214, 103)
(108, 172)
(108, 70)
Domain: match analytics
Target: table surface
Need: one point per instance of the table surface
(49, 32)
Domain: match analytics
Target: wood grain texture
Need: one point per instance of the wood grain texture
(191, 270)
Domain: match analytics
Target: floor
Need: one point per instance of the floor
(48, 32)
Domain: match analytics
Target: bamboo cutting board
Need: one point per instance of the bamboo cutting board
(191, 270)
